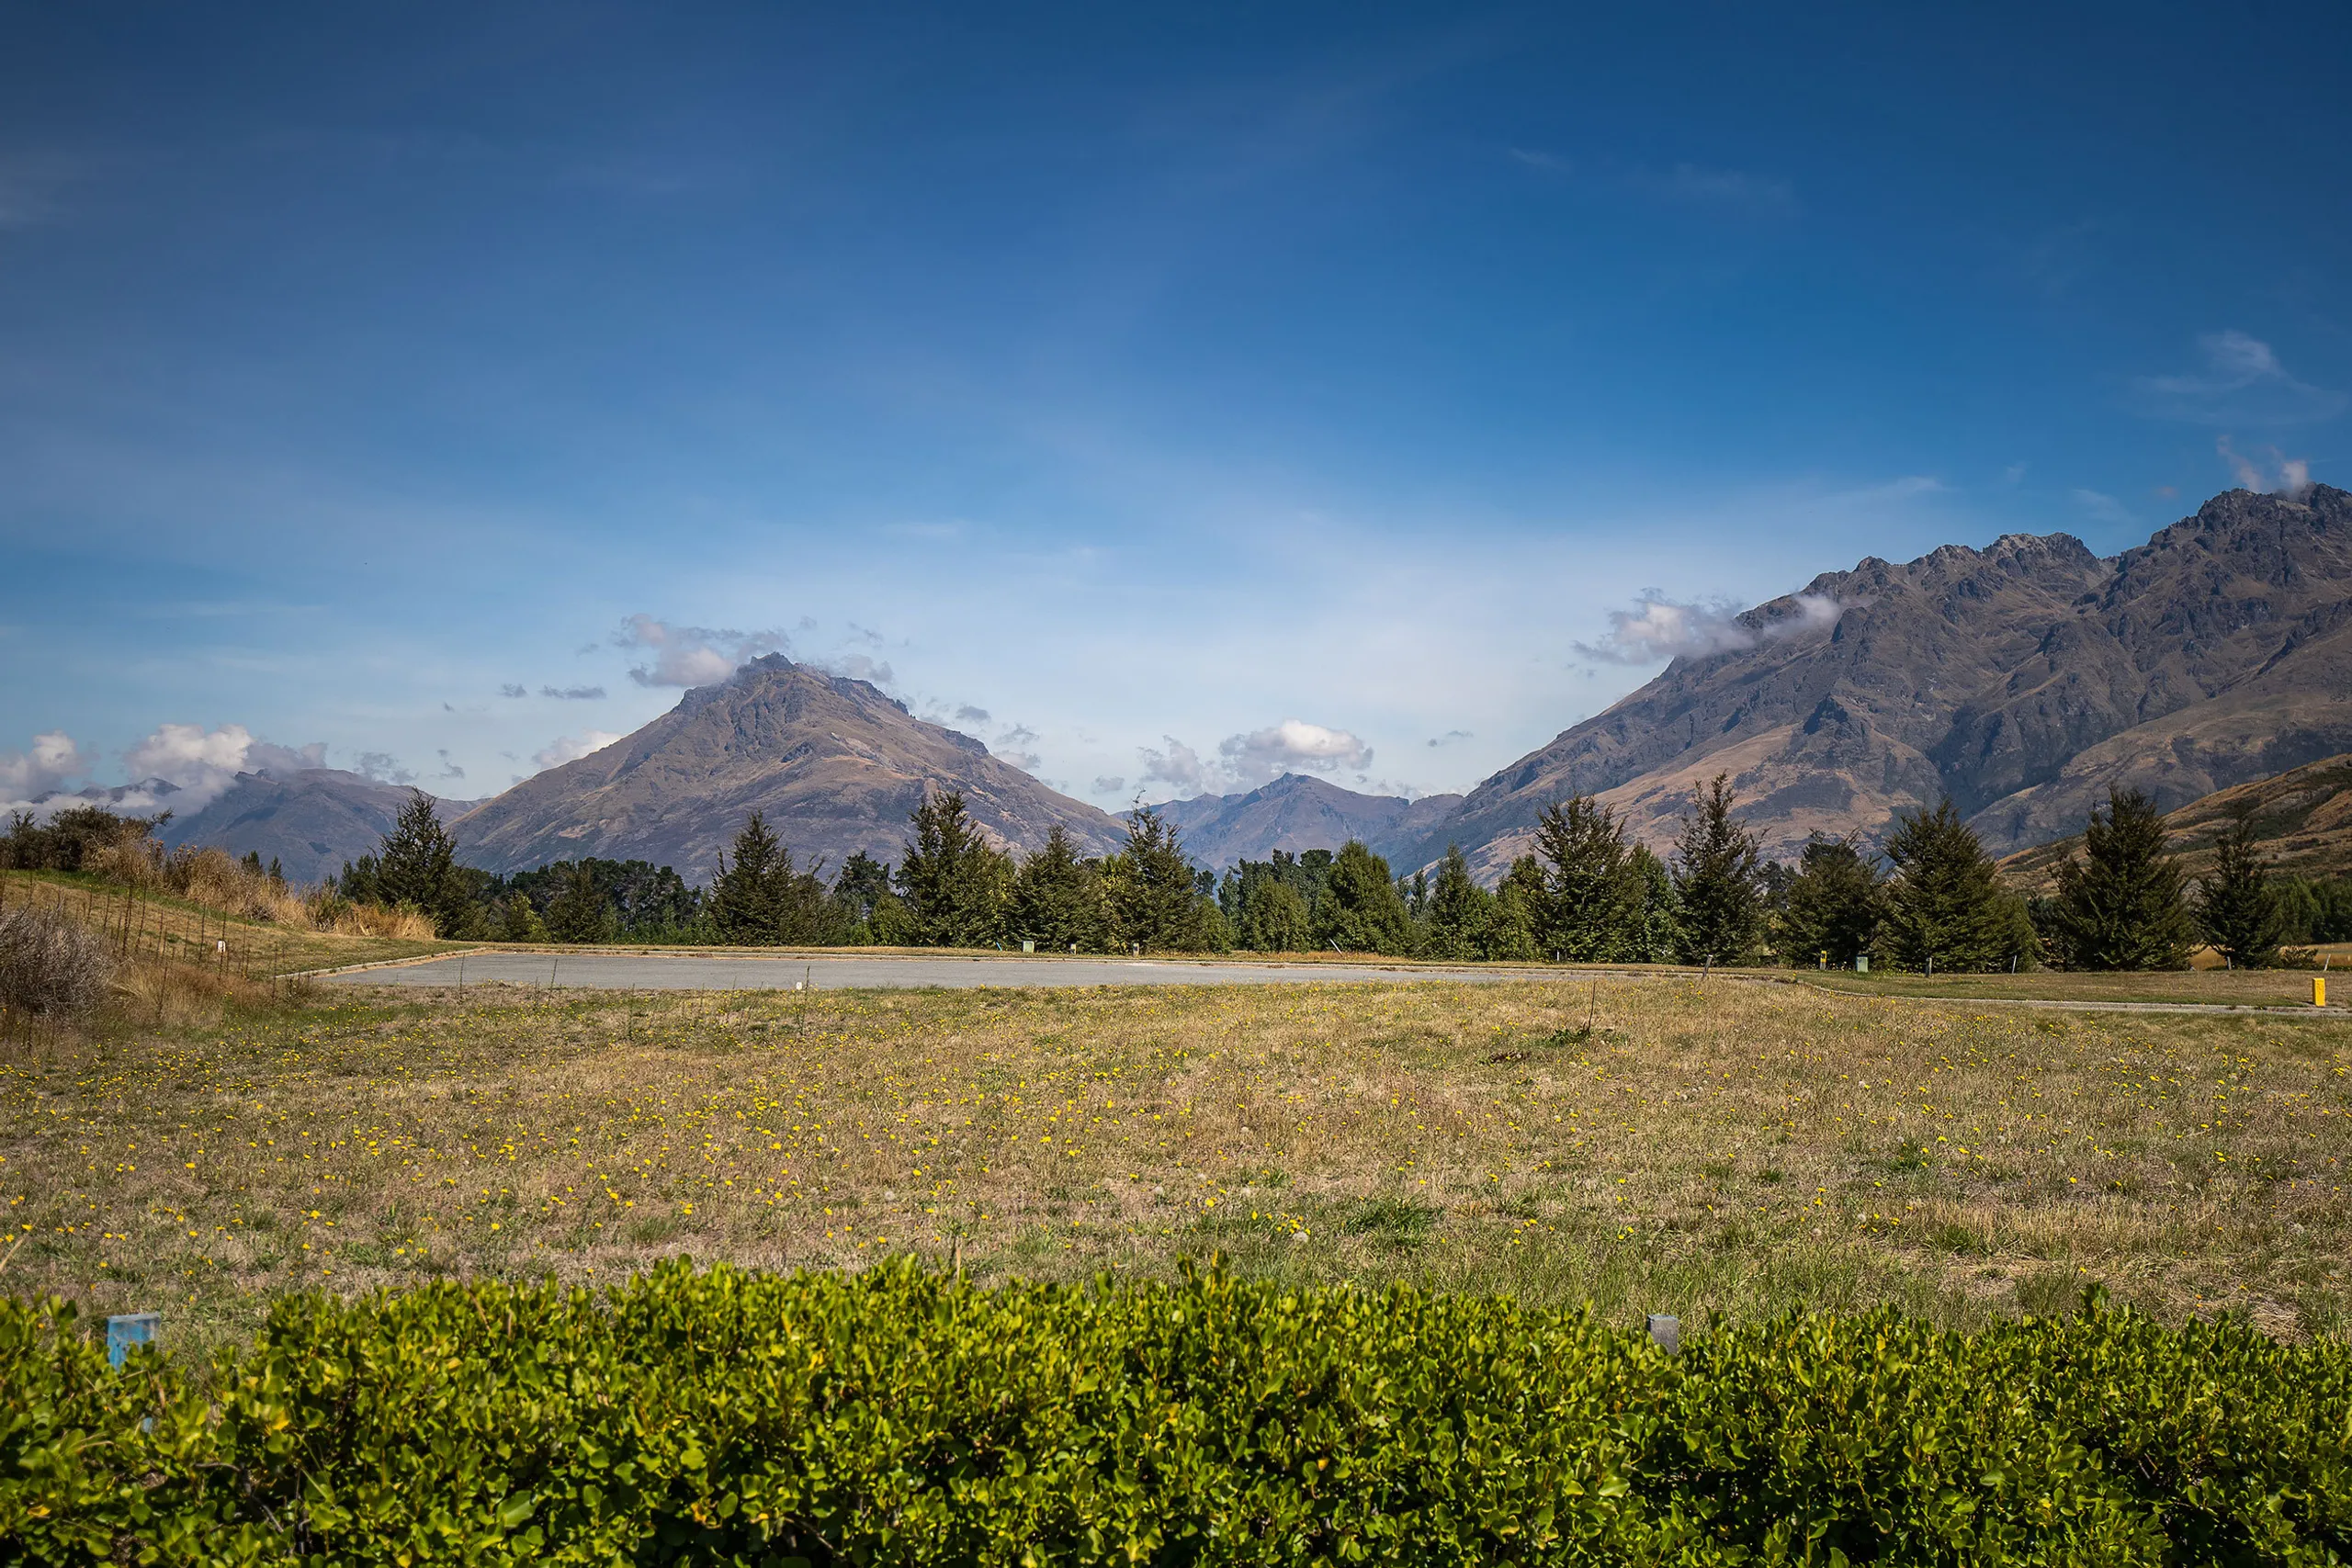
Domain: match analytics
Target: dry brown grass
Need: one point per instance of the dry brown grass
(164, 927)
(1724, 1148)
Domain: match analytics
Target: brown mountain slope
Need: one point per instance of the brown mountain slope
(2303, 817)
(1296, 813)
(835, 765)
(310, 820)
(2021, 679)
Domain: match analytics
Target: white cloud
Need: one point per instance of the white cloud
(1659, 629)
(571, 693)
(1734, 189)
(202, 762)
(572, 747)
(692, 656)
(1244, 762)
(2281, 475)
(382, 767)
(1294, 743)
(2100, 506)
(52, 759)
(2242, 382)
(1180, 767)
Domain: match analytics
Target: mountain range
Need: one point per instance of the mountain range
(835, 765)
(1297, 812)
(2022, 680)
(310, 820)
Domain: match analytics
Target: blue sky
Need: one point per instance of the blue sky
(1175, 394)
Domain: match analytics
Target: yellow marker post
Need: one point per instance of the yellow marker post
(2319, 990)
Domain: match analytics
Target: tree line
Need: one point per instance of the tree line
(1929, 898)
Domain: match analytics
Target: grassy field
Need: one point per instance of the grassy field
(2240, 987)
(1719, 1148)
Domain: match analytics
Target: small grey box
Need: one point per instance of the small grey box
(126, 1329)
(1666, 1333)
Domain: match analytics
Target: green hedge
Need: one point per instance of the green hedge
(899, 1416)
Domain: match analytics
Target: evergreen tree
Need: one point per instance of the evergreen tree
(1269, 914)
(1716, 880)
(417, 865)
(1155, 901)
(2120, 908)
(580, 912)
(954, 885)
(1057, 898)
(1459, 911)
(1361, 910)
(1832, 904)
(2239, 911)
(276, 875)
(521, 922)
(1946, 906)
(1519, 904)
(863, 882)
(742, 902)
(1658, 927)
(1591, 907)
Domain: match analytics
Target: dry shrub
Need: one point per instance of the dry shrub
(129, 860)
(49, 964)
(212, 878)
(184, 995)
(374, 920)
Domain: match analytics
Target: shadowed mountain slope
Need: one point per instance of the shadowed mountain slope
(2303, 819)
(1296, 813)
(2023, 680)
(835, 764)
(310, 821)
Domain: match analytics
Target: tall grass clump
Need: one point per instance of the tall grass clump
(49, 964)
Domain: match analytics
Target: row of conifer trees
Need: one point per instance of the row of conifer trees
(1584, 892)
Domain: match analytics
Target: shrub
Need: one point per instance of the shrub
(900, 1417)
(48, 962)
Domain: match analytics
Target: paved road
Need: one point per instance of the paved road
(625, 971)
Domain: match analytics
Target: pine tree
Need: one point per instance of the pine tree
(954, 885)
(742, 903)
(1591, 907)
(521, 922)
(1833, 904)
(2239, 911)
(1519, 907)
(1658, 925)
(1716, 880)
(580, 911)
(1057, 898)
(1946, 906)
(1269, 913)
(2120, 908)
(1361, 910)
(1155, 901)
(417, 865)
(1459, 911)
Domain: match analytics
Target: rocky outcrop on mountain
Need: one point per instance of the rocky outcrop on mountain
(2022, 680)
(310, 820)
(835, 765)
(1296, 813)
(2303, 819)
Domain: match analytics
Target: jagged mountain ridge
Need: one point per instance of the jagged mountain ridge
(1297, 812)
(835, 765)
(2023, 680)
(310, 821)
